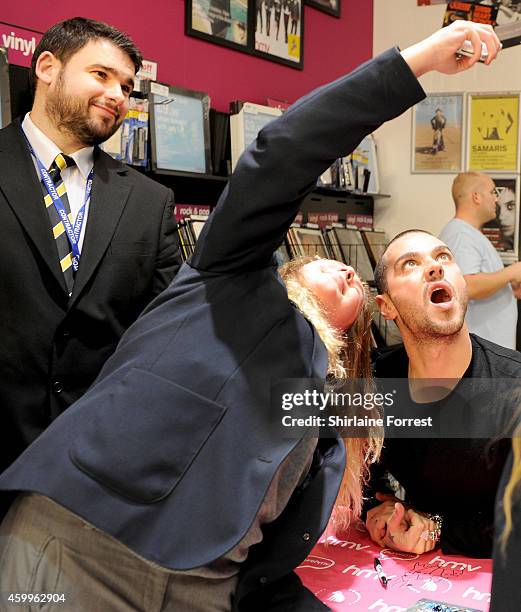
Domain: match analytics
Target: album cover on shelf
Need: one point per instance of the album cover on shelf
(185, 240)
(246, 124)
(375, 242)
(197, 226)
(220, 141)
(334, 245)
(354, 252)
(311, 242)
(292, 242)
(365, 166)
(180, 130)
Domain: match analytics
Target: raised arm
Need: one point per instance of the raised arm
(278, 169)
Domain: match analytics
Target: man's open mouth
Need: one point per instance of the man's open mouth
(440, 295)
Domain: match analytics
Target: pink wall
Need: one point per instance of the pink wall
(331, 46)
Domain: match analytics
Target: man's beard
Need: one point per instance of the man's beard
(424, 328)
(70, 114)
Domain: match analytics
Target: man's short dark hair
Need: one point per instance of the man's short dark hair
(380, 272)
(66, 38)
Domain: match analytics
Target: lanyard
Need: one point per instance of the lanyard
(73, 233)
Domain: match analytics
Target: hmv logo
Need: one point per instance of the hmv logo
(346, 544)
(380, 606)
(453, 565)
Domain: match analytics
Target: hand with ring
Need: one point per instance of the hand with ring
(410, 531)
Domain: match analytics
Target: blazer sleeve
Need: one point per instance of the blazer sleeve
(168, 258)
(277, 170)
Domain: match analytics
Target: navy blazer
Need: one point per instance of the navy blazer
(171, 450)
(52, 347)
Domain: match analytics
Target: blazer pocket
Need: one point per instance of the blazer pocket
(143, 439)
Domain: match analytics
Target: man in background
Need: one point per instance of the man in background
(492, 288)
(86, 243)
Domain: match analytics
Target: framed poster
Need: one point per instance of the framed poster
(503, 231)
(272, 29)
(328, 6)
(180, 130)
(437, 133)
(508, 20)
(220, 21)
(470, 11)
(279, 31)
(493, 140)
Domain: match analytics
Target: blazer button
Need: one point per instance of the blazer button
(306, 536)
(65, 333)
(57, 386)
(263, 580)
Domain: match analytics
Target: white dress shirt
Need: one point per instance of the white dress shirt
(75, 177)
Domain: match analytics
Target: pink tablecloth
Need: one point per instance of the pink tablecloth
(341, 573)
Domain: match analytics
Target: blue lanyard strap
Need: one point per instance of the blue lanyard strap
(73, 233)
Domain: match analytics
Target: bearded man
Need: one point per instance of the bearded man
(86, 243)
(453, 377)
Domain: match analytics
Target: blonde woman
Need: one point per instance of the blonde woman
(349, 356)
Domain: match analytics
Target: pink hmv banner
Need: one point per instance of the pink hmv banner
(340, 572)
(19, 42)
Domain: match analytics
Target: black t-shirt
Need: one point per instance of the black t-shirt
(454, 477)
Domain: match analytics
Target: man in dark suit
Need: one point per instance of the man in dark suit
(165, 486)
(59, 324)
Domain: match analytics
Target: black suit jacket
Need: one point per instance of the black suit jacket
(172, 450)
(53, 347)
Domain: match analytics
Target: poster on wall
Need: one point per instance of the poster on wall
(328, 6)
(221, 21)
(470, 11)
(437, 133)
(492, 143)
(508, 26)
(279, 31)
(503, 231)
(272, 29)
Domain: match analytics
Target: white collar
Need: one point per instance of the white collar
(46, 150)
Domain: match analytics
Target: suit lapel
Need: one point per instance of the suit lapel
(110, 192)
(20, 186)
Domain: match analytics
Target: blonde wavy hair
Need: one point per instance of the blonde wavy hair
(349, 356)
(512, 487)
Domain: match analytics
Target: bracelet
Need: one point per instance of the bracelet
(435, 534)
